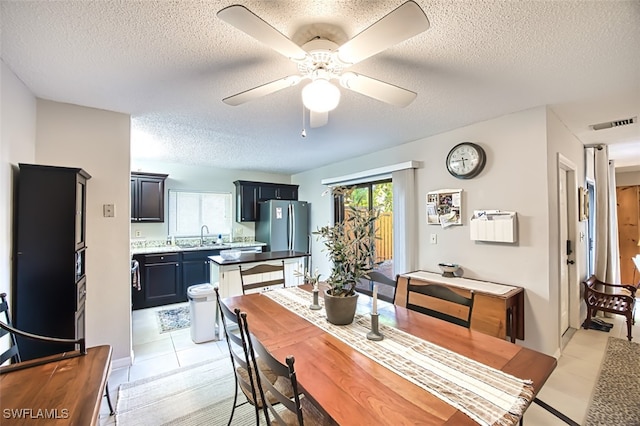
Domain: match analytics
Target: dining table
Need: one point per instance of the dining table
(358, 381)
(55, 390)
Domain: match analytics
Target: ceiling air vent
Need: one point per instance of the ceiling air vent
(617, 123)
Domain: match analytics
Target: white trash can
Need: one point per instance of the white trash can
(202, 305)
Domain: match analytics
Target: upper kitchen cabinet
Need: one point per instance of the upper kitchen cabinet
(147, 197)
(249, 194)
(49, 280)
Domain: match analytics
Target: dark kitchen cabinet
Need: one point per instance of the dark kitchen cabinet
(195, 267)
(249, 194)
(165, 277)
(160, 281)
(277, 192)
(246, 201)
(147, 197)
(49, 280)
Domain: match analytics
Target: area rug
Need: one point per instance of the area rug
(173, 319)
(616, 396)
(199, 394)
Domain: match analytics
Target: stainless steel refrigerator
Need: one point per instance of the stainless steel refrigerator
(284, 225)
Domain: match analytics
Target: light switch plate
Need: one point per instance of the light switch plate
(109, 210)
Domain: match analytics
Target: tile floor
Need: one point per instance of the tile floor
(568, 389)
(155, 353)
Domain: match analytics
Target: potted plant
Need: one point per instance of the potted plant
(350, 244)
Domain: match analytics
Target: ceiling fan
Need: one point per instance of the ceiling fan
(322, 60)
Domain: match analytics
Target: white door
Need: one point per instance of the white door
(565, 249)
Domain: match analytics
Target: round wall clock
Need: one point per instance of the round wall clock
(466, 160)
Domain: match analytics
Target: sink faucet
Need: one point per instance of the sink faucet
(202, 234)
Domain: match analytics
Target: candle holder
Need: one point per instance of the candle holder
(315, 305)
(374, 334)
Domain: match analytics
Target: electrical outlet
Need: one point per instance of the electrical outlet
(138, 234)
(434, 238)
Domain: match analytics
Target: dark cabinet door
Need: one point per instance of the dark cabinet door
(246, 202)
(160, 281)
(195, 272)
(147, 197)
(195, 267)
(288, 192)
(267, 192)
(162, 284)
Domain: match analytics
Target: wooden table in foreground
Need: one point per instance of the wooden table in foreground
(67, 392)
(355, 390)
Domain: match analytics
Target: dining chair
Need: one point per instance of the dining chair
(293, 407)
(253, 277)
(13, 351)
(238, 352)
(246, 378)
(377, 277)
(445, 294)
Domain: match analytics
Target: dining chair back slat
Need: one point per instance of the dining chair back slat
(442, 293)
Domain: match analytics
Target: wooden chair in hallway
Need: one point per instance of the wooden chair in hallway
(262, 275)
(615, 303)
(13, 351)
(452, 307)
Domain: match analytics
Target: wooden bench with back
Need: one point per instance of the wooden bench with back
(615, 303)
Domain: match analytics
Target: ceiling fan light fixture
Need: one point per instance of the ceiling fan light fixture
(320, 96)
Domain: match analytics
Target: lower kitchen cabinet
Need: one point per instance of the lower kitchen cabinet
(160, 281)
(165, 277)
(195, 267)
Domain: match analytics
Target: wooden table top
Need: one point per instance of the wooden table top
(355, 390)
(67, 392)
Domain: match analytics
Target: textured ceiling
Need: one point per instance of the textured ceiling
(170, 63)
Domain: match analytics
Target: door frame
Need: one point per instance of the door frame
(566, 165)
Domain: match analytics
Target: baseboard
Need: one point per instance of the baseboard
(121, 362)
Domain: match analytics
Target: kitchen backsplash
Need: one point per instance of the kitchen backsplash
(144, 242)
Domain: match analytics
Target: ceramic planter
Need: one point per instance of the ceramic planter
(340, 310)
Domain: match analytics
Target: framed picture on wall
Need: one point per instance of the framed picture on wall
(583, 203)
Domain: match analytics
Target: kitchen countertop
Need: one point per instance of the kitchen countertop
(258, 257)
(177, 248)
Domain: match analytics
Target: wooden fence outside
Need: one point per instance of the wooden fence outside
(384, 245)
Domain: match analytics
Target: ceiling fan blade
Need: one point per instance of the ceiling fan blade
(251, 24)
(318, 119)
(397, 26)
(263, 90)
(377, 89)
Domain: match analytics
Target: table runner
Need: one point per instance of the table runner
(487, 395)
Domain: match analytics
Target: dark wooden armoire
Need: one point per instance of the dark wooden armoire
(49, 281)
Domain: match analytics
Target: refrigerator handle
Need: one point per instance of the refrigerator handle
(292, 228)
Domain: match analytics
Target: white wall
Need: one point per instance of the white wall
(97, 141)
(561, 141)
(627, 178)
(515, 178)
(198, 178)
(17, 145)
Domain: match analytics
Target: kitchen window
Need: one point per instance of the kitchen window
(190, 210)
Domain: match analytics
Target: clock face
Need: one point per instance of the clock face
(466, 160)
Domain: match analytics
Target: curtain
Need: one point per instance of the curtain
(607, 267)
(404, 221)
